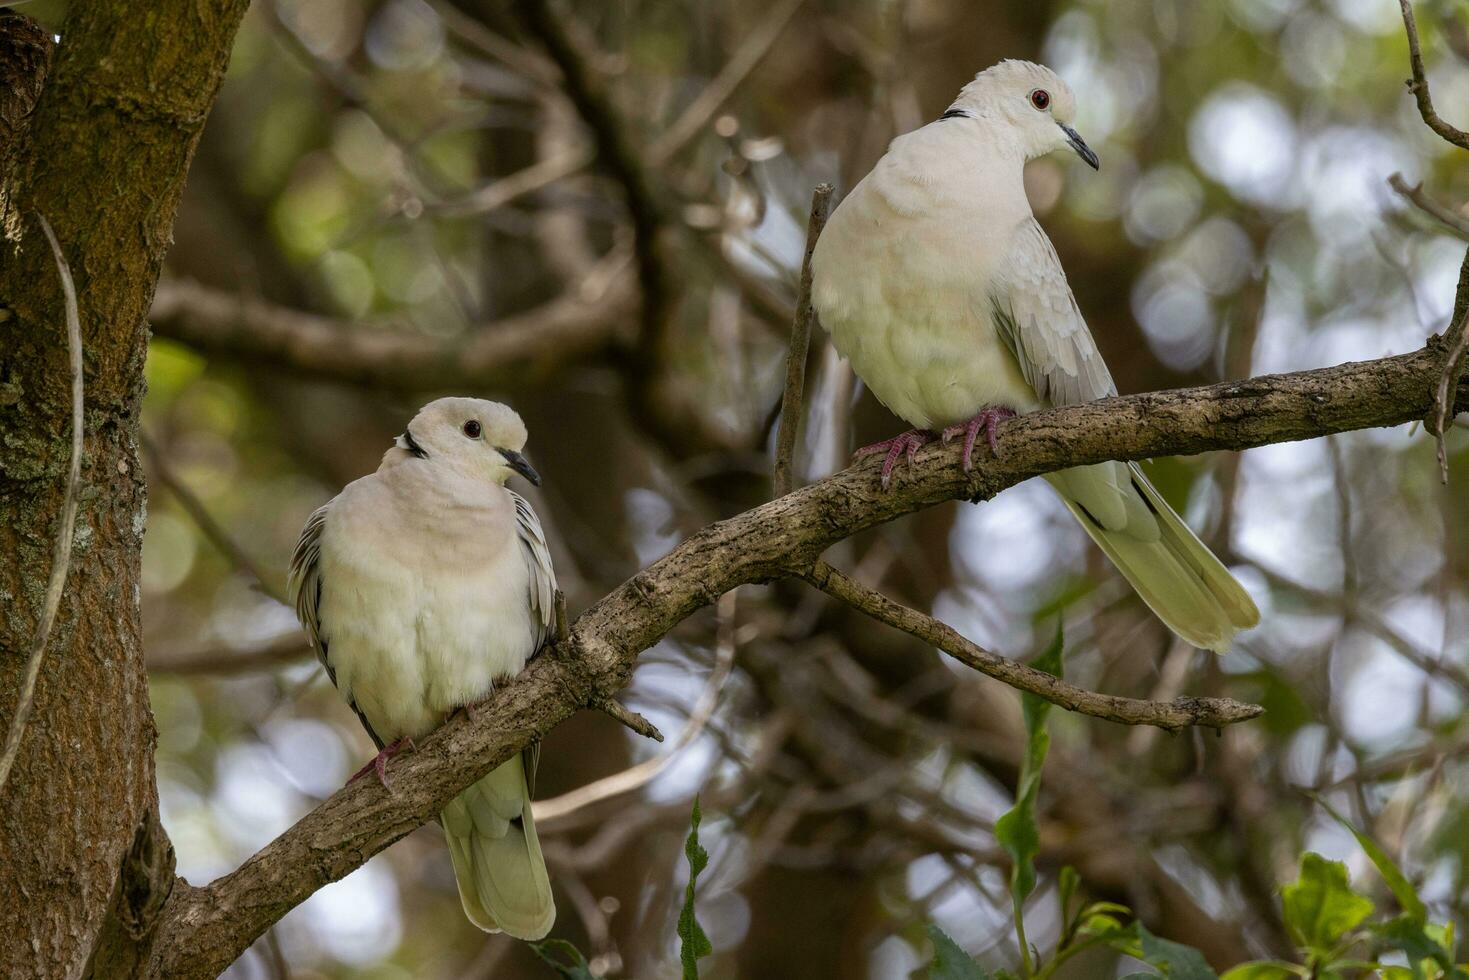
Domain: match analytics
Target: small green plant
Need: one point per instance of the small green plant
(693, 944)
(1327, 919)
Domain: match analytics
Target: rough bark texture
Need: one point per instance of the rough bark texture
(102, 154)
(207, 928)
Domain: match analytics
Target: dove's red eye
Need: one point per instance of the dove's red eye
(1041, 99)
(471, 429)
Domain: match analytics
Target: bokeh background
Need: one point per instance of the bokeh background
(409, 175)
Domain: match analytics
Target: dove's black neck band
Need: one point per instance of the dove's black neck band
(406, 441)
(955, 114)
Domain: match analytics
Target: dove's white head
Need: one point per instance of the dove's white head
(1032, 101)
(476, 437)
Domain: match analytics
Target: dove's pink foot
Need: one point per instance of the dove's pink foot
(379, 763)
(907, 443)
(987, 419)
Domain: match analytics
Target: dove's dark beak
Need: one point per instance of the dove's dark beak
(521, 465)
(1082, 150)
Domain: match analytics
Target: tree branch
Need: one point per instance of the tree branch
(1169, 715)
(214, 321)
(791, 408)
(1418, 84)
(1441, 213)
(207, 928)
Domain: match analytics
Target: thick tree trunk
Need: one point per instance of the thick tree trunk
(102, 153)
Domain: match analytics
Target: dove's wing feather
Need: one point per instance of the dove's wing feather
(1038, 320)
(538, 559)
(303, 589)
(1179, 578)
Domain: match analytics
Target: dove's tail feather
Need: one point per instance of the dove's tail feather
(1180, 579)
(497, 857)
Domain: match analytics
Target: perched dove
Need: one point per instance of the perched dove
(935, 280)
(420, 586)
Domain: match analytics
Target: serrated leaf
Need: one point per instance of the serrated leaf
(1266, 970)
(950, 962)
(692, 942)
(1320, 906)
(1177, 961)
(1413, 906)
(565, 959)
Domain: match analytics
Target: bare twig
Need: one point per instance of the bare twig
(61, 554)
(512, 187)
(1170, 715)
(1443, 400)
(1446, 216)
(286, 649)
(623, 715)
(749, 55)
(199, 514)
(792, 404)
(558, 808)
(1418, 84)
(495, 353)
(558, 618)
(615, 151)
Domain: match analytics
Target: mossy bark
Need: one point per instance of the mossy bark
(96, 135)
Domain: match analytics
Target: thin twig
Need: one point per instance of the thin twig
(558, 617)
(1443, 399)
(751, 52)
(512, 187)
(279, 652)
(1170, 715)
(61, 556)
(1446, 216)
(199, 514)
(1418, 84)
(629, 779)
(623, 715)
(791, 405)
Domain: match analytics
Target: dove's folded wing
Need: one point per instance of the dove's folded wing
(1038, 320)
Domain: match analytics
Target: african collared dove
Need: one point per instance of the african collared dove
(420, 586)
(935, 280)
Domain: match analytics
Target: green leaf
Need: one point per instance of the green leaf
(1320, 906)
(1017, 831)
(1177, 961)
(1266, 970)
(1413, 906)
(692, 942)
(564, 958)
(949, 961)
(1141, 976)
(1412, 937)
(1067, 886)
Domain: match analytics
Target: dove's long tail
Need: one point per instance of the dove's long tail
(1180, 579)
(497, 857)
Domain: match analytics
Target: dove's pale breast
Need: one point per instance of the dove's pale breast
(425, 600)
(901, 275)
